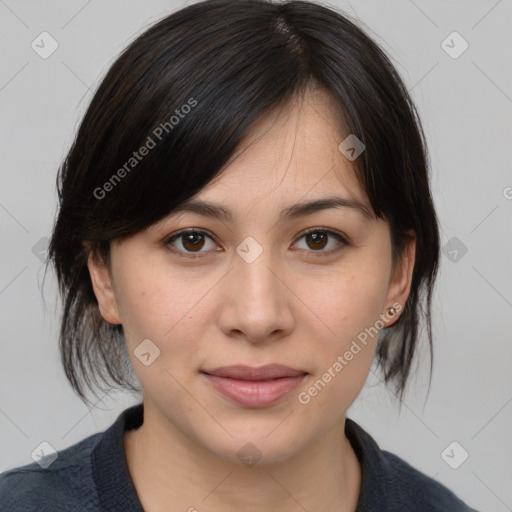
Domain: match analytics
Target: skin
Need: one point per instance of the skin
(290, 306)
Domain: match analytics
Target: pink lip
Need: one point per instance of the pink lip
(255, 387)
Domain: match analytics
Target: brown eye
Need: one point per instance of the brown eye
(190, 243)
(316, 240)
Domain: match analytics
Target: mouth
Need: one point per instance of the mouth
(254, 387)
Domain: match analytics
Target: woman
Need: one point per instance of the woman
(245, 223)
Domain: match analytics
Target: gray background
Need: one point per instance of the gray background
(466, 106)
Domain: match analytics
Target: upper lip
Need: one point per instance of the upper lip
(244, 372)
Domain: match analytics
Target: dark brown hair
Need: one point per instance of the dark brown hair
(189, 89)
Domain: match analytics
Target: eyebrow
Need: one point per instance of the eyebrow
(208, 209)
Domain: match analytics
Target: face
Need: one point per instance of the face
(259, 285)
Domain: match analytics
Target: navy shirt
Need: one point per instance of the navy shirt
(92, 476)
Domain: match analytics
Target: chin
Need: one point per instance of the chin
(257, 445)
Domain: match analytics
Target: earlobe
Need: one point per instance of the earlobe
(400, 284)
(103, 289)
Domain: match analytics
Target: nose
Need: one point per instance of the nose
(256, 301)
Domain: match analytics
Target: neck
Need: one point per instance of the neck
(167, 468)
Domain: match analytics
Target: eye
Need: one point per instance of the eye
(189, 242)
(317, 239)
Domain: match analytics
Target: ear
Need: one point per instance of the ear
(103, 289)
(401, 280)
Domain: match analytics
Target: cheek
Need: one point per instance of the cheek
(346, 301)
(167, 307)
(350, 306)
(154, 307)
(151, 298)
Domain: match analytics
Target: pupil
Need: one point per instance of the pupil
(192, 240)
(318, 238)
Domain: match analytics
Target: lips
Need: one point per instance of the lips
(254, 387)
(242, 372)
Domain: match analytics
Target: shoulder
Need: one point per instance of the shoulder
(390, 483)
(410, 487)
(52, 483)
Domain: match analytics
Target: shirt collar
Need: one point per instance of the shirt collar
(373, 494)
(110, 470)
(117, 492)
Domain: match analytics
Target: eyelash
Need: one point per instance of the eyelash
(190, 255)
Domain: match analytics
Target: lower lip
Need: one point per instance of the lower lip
(255, 393)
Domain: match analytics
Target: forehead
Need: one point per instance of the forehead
(290, 154)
